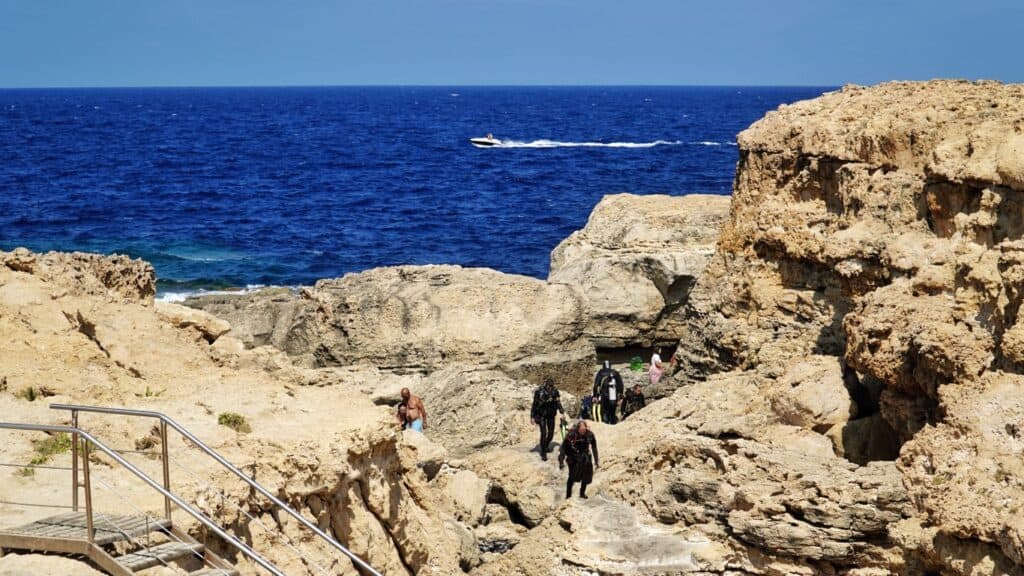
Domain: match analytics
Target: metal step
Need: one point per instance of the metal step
(215, 572)
(109, 528)
(157, 555)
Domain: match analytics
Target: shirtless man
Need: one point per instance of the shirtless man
(415, 412)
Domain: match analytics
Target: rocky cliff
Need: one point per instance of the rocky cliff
(882, 226)
(84, 329)
(421, 319)
(636, 261)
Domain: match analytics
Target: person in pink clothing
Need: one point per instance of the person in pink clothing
(657, 367)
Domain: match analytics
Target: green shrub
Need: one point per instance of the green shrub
(51, 446)
(236, 422)
(45, 449)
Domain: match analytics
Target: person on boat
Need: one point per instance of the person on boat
(415, 411)
(633, 401)
(608, 387)
(577, 448)
(490, 136)
(657, 369)
(546, 402)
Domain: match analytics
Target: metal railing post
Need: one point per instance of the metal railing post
(89, 530)
(196, 442)
(167, 468)
(74, 462)
(203, 519)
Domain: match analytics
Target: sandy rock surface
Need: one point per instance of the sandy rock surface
(636, 261)
(881, 227)
(39, 565)
(421, 319)
(313, 438)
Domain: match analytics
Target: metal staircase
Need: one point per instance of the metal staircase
(123, 545)
(69, 534)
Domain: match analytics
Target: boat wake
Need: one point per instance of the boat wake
(557, 144)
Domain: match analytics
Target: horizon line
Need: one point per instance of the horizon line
(272, 86)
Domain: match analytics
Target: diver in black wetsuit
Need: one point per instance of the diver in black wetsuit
(576, 449)
(546, 401)
(608, 387)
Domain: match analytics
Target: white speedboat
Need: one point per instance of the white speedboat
(488, 141)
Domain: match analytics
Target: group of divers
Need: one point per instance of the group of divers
(578, 447)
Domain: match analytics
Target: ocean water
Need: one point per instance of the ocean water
(224, 188)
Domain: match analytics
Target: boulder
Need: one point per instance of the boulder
(472, 411)
(812, 394)
(207, 325)
(637, 258)
(271, 316)
(421, 319)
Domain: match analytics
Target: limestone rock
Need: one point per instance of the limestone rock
(468, 492)
(430, 456)
(528, 487)
(82, 273)
(811, 394)
(637, 258)
(316, 441)
(881, 227)
(603, 536)
(472, 411)
(271, 316)
(208, 325)
(421, 319)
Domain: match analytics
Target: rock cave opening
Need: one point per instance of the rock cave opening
(870, 436)
(626, 354)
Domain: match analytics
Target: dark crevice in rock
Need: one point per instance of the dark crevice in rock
(498, 496)
(87, 329)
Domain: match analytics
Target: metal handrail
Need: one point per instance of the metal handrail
(202, 518)
(168, 421)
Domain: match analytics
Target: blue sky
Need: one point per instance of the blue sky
(47, 43)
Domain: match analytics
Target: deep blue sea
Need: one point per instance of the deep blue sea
(282, 186)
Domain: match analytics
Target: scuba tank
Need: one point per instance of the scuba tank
(563, 429)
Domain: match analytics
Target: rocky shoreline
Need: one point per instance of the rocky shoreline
(847, 401)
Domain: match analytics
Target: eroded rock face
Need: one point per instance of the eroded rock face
(82, 273)
(272, 316)
(315, 439)
(636, 261)
(422, 319)
(882, 227)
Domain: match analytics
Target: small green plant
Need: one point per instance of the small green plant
(151, 393)
(51, 446)
(941, 479)
(45, 449)
(236, 422)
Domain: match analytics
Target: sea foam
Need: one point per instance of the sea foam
(557, 144)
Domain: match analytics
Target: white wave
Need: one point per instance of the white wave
(179, 297)
(558, 144)
(706, 143)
